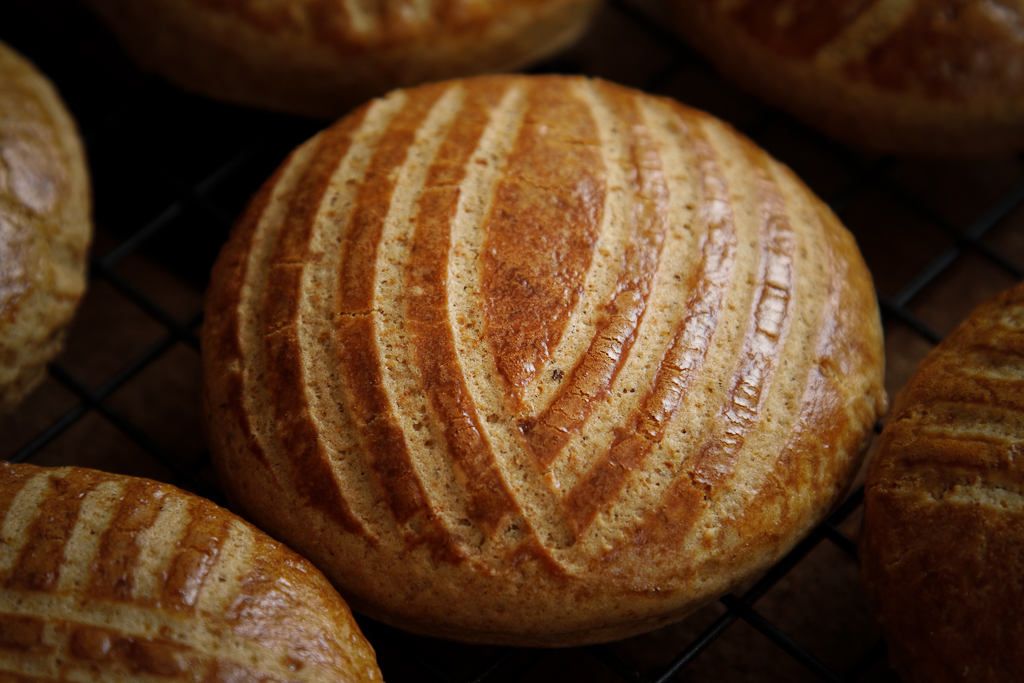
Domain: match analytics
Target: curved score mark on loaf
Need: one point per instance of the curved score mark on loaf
(308, 468)
(148, 575)
(798, 29)
(685, 355)
(688, 496)
(824, 418)
(759, 355)
(375, 23)
(988, 373)
(490, 501)
(348, 24)
(997, 361)
(971, 411)
(81, 549)
(39, 560)
(100, 514)
(113, 569)
(771, 317)
(359, 362)
(350, 27)
(197, 551)
(542, 229)
(326, 396)
(862, 34)
(533, 492)
(590, 380)
(61, 512)
(401, 385)
(228, 312)
(951, 50)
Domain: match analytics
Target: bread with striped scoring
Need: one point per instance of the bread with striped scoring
(114, 578)
(943, 539)
(537, 360)
(45, 224)
(923, 77)
(323, 57)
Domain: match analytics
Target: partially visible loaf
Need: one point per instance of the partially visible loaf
(923, 77)
(537, 360)
(113, 578)
(45, 224)
(943, 539)
(323, 57)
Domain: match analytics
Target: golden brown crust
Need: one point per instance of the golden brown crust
(927, 77)
(322, 57)
(111, 576)
(944, 517)
(45, 225)
(537, 360)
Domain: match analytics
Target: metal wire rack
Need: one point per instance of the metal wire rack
(171, 171)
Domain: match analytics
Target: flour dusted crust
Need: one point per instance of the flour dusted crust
(45, 225)
(943, 539)
(926, 77)
(542, 361)
(323, 57)
(113, 578)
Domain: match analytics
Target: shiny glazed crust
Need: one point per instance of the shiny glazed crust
(45, 225)
(943, 540)
(925, 77)
(540, 360)
(323, 57)
(113, 578)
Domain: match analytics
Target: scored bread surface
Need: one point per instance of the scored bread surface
(107, 577)
(323, 57)
(537, 360)
(45, 225)
(943, 540)
(931, 77)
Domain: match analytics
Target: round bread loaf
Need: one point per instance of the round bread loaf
(45, 225)
(113, 578)
(323, 57)
(925, 77)
(540, 360)
(943, 539)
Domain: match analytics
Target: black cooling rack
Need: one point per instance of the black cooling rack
(171, 171)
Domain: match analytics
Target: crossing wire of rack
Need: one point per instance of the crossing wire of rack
(171, 171)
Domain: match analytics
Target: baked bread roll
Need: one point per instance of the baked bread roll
(323, 57)
(541, 361)
(924, 77)
(45, 225)
(113, 578)
(943, 540)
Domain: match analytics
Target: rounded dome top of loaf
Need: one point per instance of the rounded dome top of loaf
(538, 360)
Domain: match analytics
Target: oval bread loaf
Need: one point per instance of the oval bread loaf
(323, 57)
(943, 539)
(45, 225)
(107, 577)
(926, 77)
(537, 360)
